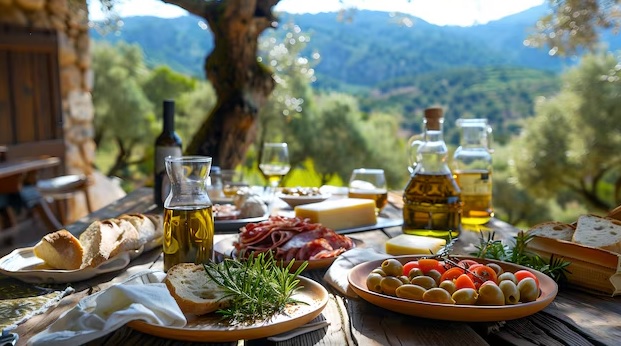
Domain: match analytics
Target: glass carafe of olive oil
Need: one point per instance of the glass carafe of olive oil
(188, 213)
(432, 201)
(472, 169)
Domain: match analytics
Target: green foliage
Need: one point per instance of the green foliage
(567, 146)
(163, 83)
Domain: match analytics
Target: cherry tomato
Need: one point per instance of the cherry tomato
(464, 281)
(452, 274)
(482, 273)
(522, 274)
(409, 266)
(466, 263)
(427, 264)
(441, 267)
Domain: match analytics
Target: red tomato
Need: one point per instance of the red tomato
(464, 281)
(480, 274)
(466, 263)
(409, 266)
(441, 267)
(452, 274)
(521, 274)
(427, 264)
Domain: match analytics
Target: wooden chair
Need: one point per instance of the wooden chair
(59, 190)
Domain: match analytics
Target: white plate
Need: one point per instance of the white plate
(22, 264)
(223, 226)
(294, 201)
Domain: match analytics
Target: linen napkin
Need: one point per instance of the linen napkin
(143, 296)
(336, 275)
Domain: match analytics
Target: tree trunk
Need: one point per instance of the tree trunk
(241, 83)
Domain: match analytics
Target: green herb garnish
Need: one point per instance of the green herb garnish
(258, 286)
(556, 268)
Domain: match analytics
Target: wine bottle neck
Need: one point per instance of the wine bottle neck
(169, 116)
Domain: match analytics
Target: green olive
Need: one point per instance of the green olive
(490, 294)
(438, 295)
(404, 279)
(424, 281)
(435, 275)
(389, 284)
(496, 268)
(528, 290)
(392, 267)
(373, 282)
(414, 272)
(413, 292)
(507, 276)
(448, 285)
(379, 271)
(510, 291)
(465, 296)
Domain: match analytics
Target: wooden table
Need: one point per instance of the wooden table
(574, 318)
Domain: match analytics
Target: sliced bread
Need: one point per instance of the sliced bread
(194, 292)
(553, 229)
(600, 232)
(60, 250)
(130, 237)
(99, 240)
(146, 227)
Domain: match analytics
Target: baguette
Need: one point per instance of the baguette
(99, 240)
(553, 229)
(193, 291)
(130, 238)
(60, 250)
(600, 232)
(149, 227)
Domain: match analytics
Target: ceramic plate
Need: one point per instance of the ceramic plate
(465, 313)
(223, 226)
(294, 201)
(225, 248)
(211, 328)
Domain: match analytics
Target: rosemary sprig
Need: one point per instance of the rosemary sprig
(556, 268)
(258, 286)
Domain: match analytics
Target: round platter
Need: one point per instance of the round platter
(210, 328)
(294, 201)
(465, 313)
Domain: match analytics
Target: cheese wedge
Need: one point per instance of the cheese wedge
(405, 244)
(339, 213)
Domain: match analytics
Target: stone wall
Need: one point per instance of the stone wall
(70, 19)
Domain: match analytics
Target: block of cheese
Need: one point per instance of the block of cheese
(339, 213)
(405, 244)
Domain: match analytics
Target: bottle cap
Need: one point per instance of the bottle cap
(215, 170)
(433, 116)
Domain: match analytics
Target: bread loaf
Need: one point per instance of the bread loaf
(194, 292)
(60, 250)
(99, 240)
(130, 238)
(600, 232)
(553, 229)
(149, 227)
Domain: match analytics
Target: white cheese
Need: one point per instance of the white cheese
(340, 213)
(405, 244)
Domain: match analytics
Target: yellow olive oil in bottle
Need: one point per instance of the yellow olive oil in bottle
(432, 199)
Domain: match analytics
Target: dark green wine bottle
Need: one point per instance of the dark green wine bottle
(167, 143)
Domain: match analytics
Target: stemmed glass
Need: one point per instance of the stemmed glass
(370, 184)
(274, 164)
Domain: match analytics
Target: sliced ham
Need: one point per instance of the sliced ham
(291, 238)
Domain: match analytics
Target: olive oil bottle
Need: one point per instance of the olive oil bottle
(167, 143)
(432, 199)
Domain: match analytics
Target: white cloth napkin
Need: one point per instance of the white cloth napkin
(337, 273)
(141, 297)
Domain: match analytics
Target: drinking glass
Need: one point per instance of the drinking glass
(370, 184)
(274, 163)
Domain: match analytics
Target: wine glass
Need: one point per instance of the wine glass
(274, 164)
(370, 184)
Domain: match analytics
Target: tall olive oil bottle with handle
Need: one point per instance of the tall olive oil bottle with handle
(167, 143)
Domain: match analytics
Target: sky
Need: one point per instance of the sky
(438, 12)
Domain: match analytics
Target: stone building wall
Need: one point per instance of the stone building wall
(70, 19)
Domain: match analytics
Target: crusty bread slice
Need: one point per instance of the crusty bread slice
(60, 250)
(194, 292)
(600, 232)
(147, 229)
(553, 229)
(98, 241)
(130, 238)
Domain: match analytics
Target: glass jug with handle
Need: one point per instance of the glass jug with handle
(432, 202)
(188, 212)
(472, 169)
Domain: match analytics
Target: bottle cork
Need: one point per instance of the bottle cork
(433, 117)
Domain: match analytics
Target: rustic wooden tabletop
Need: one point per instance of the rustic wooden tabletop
(573, 318)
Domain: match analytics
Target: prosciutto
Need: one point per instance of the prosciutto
(291, 238)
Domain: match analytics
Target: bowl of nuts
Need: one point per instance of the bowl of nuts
(295, 196)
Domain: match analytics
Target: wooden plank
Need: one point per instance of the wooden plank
(23, 93)
(6, 108)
